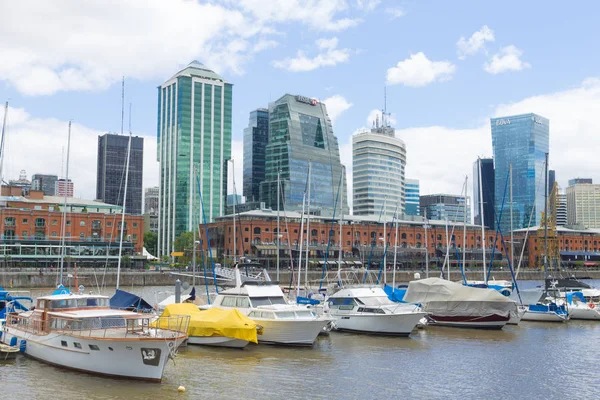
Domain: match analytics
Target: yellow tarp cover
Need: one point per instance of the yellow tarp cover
(213, 322)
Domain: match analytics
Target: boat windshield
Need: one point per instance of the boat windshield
(375, 301)
(305, 314)
(285, 315)
(267, 301)
(89, 302)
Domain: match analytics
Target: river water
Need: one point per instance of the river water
(531, 361)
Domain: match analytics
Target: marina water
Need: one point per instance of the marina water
(533, 360)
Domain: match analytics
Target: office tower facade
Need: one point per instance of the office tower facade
(45, 183)
(64, 188)
(256, 138)
(194, 142)
(412, 206)
(562, 210)
(111, 167)
(523, 141)
(378, 164)
(151, 200)
(576, 181)
(442, 207)
(300, 132)
(583, 204)
(487, 185)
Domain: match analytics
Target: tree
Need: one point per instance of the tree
(184, 243)
(151, 242)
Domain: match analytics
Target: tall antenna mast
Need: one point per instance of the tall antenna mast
(123, 103)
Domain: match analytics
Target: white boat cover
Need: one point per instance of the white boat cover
(441, 297)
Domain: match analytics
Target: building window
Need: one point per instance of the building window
(109, 223)
(246, 229)
(246, 240)
(53, 233)
(24, 234)
(68, 222)
(25, 220)
(314, 232)
(82, 236)
(134, 236)
(403, 236)
(135, 224)
(10, 221)
(68, 234)
(257, 231)
(54, 222)
(439, 237)
(81, 223)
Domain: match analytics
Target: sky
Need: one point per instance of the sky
(448, 67)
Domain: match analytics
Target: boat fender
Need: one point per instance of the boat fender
(592, 306)
(13, 341)
(23, 346)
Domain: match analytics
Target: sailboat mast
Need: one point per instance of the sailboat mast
(2, 141)
(301, 238)
(512, 237)
(546, 215)
(482, 221)
(395, 248)
(464, 244)
(447, 258)
(308, 235)
(426, 247)
(278, 237)
(64, 216)
(341, 219)
(384, 240)
(123, 209)
(234, 231)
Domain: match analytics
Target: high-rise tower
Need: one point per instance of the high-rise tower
(194, 137)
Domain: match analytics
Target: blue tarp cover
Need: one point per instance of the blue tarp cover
(579, 295)
(305, 300)
(123, 300)
(395, 295)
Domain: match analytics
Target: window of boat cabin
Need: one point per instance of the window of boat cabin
(79, 303)
(242, 302)
(229, 301)
(267, 301)
(305, 314)
(346, 301)
(375, 301)
(261, 314)
(285, 315)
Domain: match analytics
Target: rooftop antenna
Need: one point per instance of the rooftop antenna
(383, 112)
(123, 103)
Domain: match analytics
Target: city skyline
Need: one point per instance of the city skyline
(453, 131)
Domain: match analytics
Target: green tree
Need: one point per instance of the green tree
(151, 242)
(184, 242)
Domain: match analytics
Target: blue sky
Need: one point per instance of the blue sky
(64, 61)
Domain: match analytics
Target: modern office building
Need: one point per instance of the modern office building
(300, 133)
(576, 181)
(151, 200)
(234, 199)
(378, 164)
(112, 162)
(412, 206)
(256, 138)
(562, 210)
(45, 183)
(194, 140)
(486, 165)
(583, 205)
(64, 188)
(523, 141)
(444, 207)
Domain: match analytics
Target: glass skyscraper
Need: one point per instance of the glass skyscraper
(110, 170)
(256, 138)
(194, 137)
(378, 163)
(488, 188)
(523, 141)
(442, 207)
(300, 132)
(412, 206)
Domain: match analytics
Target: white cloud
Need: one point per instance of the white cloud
(395, 12)
(475, 43)
(50, 138)
(507, 59)
(329, 56)
(336, 105)
(92, 46)
(418, 70)
(367, 5)
(319, 15)
(375, 114)
(440, 157)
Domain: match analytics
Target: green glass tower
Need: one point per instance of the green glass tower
(194, 137)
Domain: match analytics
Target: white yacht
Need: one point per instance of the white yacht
(579, 308)
(369, 310)
(81, 332)
(264, 302)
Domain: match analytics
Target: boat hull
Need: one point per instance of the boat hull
(544, 316)
(290, 332)
(122, 358)
(378, 324)
(493, 321)
(218, 341)
(516, 316)
(584, 313)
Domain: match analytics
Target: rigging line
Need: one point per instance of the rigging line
(287, 231)
(385, 248)
(330, 234)
(499, 218)
(373, 242)
(212, 261)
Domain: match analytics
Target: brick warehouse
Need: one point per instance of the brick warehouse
(30, 228)
(256, 233)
